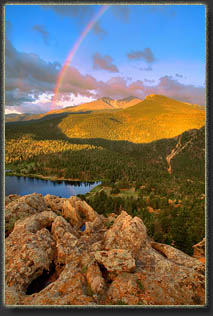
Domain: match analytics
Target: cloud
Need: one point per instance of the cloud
(44, 103)
(145, 54)
(187, 93)
(30, 67)
(148, 80)
(98, 31)
(146, 68)
(26, 75)
(104, 62)
(179, 76)
(30, 82)
(76, 83)
(11, 111)
(41, 30)
(117, 87)
(16, 97)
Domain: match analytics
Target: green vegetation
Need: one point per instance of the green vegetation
(84, 269)
(89, 291)
(134, 174)
(140, 285)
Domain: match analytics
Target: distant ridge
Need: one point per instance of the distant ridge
(156, 117)
(104, 103)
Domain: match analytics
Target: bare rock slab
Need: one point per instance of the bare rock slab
(116, 260)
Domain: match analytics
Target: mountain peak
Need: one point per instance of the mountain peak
(106, 100)
(130, 98)
(156, 96)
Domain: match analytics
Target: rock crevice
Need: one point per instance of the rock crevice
(49, 260)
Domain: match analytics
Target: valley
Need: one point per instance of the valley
(149, 157)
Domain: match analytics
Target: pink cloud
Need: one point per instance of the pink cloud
(104, 63)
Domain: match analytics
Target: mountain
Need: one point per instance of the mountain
(104, 103)
(149, 158)
(22, 117)
(154, 118)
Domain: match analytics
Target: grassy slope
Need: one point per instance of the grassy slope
(154, 118)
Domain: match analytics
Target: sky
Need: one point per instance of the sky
(64, 55)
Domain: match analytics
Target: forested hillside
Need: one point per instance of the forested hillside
(162, 181)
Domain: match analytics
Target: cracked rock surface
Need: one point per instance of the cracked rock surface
(49, 260)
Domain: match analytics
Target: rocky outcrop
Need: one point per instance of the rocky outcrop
(116, 260)
(55, 203)
(10, 198)
(51, 260)
(199, 250)
(126, 233)
(20, 207)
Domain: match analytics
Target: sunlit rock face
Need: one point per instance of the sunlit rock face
(51, 260)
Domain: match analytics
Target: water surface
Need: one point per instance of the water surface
(65, 189)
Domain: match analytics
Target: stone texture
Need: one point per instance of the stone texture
(71, 214)
(69, 289)
(55, 203)
(199, 250)
(105, 264)
(116, 260)
(175, 255)
(66, 240)
(95, 278)
(126, 233)
(21, 207)
(123, 289)
(85, 210)
(29, 250)
(11, 198)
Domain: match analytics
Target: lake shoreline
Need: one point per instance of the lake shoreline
(51, 178)
(23, 185)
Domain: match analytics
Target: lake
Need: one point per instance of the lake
(65, 189)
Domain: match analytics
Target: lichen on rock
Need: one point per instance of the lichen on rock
(49, 260)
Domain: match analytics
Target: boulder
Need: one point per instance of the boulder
(199, 250)
(78, 212)
(123, 290)
(85, 211)
(95, 278)
(116, 260)
(11, 198)
(66, 240)
(50, 260)
(69, 289)
(55, 203)
(126, 233)
(21, 207)
(175, 255)
(29, 250)
(71, 214)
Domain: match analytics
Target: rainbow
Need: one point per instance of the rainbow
(74, 50)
